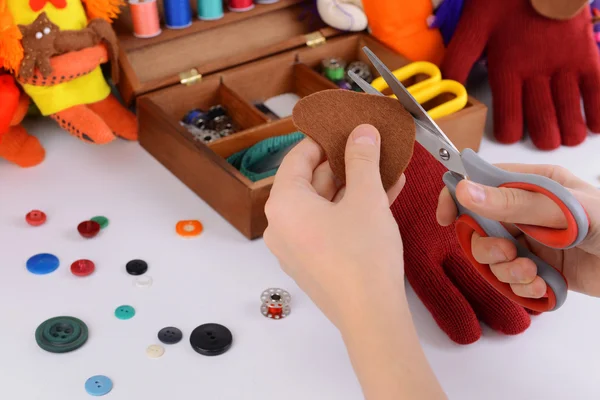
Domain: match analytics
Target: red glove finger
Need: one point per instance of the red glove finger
(540, 113)
(567, 100)
(496, 311)
(507, 90)
(590, 92)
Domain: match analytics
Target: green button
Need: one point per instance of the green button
(102, 221)
(124, 312)
(61, 334)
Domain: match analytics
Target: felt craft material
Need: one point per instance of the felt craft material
(453, 291)
(39, 45)
(538, 68)
(329, 117)
(402, 26)
(559, 9)
(282, 105)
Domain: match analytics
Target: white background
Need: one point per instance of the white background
(218, 277)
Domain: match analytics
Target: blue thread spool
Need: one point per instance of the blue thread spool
(210, 9)
(178, 14)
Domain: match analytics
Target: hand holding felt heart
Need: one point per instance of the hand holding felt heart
(328, 117)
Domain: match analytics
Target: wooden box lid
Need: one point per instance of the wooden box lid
(184, 55)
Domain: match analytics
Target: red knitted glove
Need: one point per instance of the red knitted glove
(537, 66)
(436, 267)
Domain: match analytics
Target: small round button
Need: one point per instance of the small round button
(124, 312)
(35, 217)
(136, 267)
(82, 267)
(170, 335)
(61, 334)
(189, 228)
(98, 385)
(155, 351)
(88, 229)
(101, 220)
(143, 281)
(211, 339)
(42, 264)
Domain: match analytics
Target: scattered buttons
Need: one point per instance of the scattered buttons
(101, 220)
(82, 267)
(155, 351)
(136, 267)
(42, 264)
(88, 229)
(275, 303)
(124, 312)
(189, 228)
(211, 339)
(98, 385)
(170, 335)
(35, 217)
(61, 334)
(143, 281)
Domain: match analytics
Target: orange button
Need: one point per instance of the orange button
(189, 228)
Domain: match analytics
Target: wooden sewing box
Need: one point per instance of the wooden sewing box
(235, 61)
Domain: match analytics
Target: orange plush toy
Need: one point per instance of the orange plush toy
(402, 25)
(16, 145)
(55, 49)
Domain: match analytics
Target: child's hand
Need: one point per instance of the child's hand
(580, 265)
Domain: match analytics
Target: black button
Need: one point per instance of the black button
(170, 335)
(136, 267)
(211, 339)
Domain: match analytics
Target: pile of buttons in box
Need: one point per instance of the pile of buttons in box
(211, 125)
(337, 69)
(64, 334)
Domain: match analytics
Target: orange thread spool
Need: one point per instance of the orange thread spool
(144, 15)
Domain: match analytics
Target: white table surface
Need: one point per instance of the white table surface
(218, 277)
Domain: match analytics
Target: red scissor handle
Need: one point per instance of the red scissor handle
(465, 226)
(555, 238)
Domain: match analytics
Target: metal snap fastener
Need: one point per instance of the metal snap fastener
(61, 334)
(275, 303)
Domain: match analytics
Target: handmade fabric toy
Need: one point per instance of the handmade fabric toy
(16, 145)
(55, 48)
(455, 294)
(345, 15)
(446, 17)
(542, 58)
(402, 26)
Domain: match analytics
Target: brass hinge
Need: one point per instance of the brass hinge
(315, 39)
(190, 77)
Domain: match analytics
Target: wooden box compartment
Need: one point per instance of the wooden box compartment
(203, 167)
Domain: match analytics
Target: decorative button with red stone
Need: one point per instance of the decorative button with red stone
(82, 267)
(35, 217)
(88, 229)
(275, 303)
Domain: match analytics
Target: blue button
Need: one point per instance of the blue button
(124, 312)
(42, 264)
(98, 385)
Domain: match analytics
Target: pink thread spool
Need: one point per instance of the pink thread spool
(144, 15)
(240, 5)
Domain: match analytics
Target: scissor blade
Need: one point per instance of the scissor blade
(364, 85)
(428, 134)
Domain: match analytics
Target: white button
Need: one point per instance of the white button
(39, 35)
(46, 31)
(143, 281)
(155, 351)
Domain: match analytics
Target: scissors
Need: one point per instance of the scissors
(468, 165)
(429, 88)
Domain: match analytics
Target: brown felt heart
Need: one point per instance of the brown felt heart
(559, 9)
(329, 117)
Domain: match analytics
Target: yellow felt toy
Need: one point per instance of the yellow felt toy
(75, 92)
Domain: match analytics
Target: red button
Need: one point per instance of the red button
(88, 229)
(35, 217)
(82, 267)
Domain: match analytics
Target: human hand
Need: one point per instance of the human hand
(340, 244)
(579, 265)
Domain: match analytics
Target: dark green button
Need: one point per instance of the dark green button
(61, 334)
(102, 221)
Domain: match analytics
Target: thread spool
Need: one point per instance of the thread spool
(266, 1)
(178, 14)
(240, 5)
(144, 15)
(209, 10)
